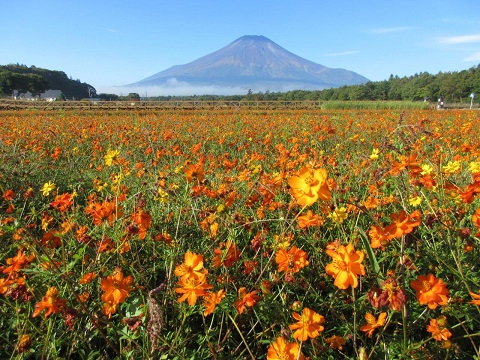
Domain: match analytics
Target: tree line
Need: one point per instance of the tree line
(456, 87)
(37, 80)
(452, 86)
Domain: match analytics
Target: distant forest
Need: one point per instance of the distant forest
(37, 80)
(454, 87)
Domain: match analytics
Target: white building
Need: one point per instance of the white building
(49, 95)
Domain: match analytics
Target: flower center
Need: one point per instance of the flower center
(291, 261)
(308, 180)
(340, 265)
(426, 285)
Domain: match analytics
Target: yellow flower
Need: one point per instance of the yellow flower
(415, 200)
(452, 167)
(162, 196)
(339, 215)
(47, 188)
(256, 168)
(99, 185)
(474, 167)
(374, 155)
(426, 169)
(178, 169)
(112, 157)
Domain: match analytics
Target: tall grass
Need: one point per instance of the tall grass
(375, 105)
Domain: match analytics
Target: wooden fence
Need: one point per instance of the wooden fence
(6, 104)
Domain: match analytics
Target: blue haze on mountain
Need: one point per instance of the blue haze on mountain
(253, 62)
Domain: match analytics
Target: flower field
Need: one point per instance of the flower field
(240, 234)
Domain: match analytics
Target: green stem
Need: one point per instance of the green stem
(47, 337)
(404, 307)
(241, 335)
(354, 321)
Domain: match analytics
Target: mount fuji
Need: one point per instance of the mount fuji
(256, 63)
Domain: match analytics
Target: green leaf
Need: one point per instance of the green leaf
(371, 255)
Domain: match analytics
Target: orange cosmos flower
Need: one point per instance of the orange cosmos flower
(402, 224)
(310, 219)
(378, 238)
(226, 255)
(62, 202)
(192, 266)
(109, 309)
(194, 172)
(245, 299)
(309, 185)
(116, 287)
(50, 302)
(373, 323)
(372, 202)
(430, 290)
(24, 343)
(5, 284)
(8, 195)
(284, 350)
(88, 277)
(51, 240)
(18, 262)
(476, 299)
(476, 218)
(143, 220)
(409, 163)
(346, 266)
(291, 261)
(308, 325)
(438, 328)
(192, 288)
(211, 300)
(106, 211)
(336, 342)
(249, 266)
(56, 153)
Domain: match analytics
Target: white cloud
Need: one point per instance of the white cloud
(390, 30)
(474, 38)
(343, 53)
(474, 57)
(173, 88)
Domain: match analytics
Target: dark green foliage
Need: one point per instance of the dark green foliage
(452, 86)
(107, 97)
(37, 80)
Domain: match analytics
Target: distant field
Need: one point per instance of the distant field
(240, 233)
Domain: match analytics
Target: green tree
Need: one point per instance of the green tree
(133, 97)
(6, 83)
(37, 84)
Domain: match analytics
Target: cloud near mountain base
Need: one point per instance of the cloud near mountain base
(173, 87)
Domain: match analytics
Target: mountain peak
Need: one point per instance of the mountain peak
(257, 63)
(254, 38)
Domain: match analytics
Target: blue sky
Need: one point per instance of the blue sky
(108, 43)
